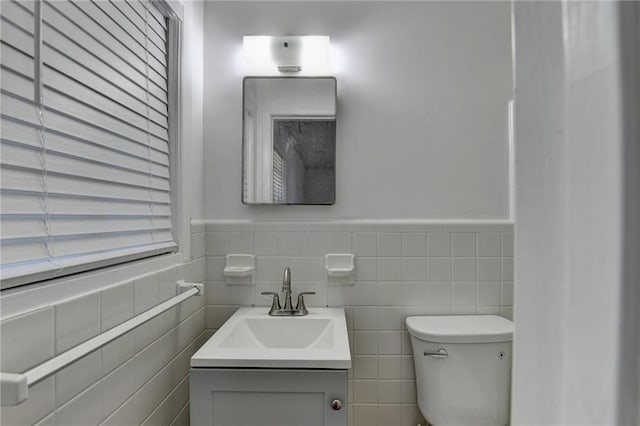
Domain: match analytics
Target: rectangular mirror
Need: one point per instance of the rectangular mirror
(289, 140)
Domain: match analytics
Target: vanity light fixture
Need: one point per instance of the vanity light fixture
(287, 54)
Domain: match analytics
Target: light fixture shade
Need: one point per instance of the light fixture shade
(287, 53)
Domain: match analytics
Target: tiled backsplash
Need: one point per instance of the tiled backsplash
(139, 378)
(402, 268)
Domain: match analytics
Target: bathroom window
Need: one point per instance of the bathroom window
(89, 97)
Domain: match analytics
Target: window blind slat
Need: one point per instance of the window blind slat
(157, 36)
(16, 84)
(106, 22)
(64, 32)
(25, 203)
(21, 229)
(25, 130)
(19, 134)
(156, 47)
(16, 37)
(91, 243)
(24, 228)
(20, 16)
(87, 67)
(17, 61)
(60, 103)
(84, 174)
(134, 116)
(73, 185)
(23, 251)
(159, 26)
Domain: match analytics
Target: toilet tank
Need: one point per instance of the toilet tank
(463, 368)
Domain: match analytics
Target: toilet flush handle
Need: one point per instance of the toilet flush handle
(440, 354)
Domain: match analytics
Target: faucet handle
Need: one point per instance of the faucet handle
(300, 306)
(275, 303)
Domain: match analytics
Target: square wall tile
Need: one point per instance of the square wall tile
(390, 318)
(365, 244)
(265, 243)
(414, 294)
(507, 269)
(438, 244)
(366, 268)
(77, 320)
(489, 269)
(365, 293)
(464, 294)
(389, 244)
(78, 376)
(414, 269)
(365, 343)
(146, 294)
(463, 244)
(365, 318)
(315, 243)
(26, 340)
(39, 404)
(390, 367)
(84, 409)
(365, 391)
(439, 293)
(116, 305)
(464, 269)
(439, 269)
(340, 242)
(507, 245)
(390, 414)
(290, 243)
(215, 268)
(365, 366)
(389, 342)
(489, 244)
(267, 269)
(389, 269)
(507, 294)
(389, 294)
(489, 294)
(240, 242)
(390, 391)
(414, 244)
(216, 244)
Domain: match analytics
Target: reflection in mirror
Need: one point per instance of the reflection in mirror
(289, 140)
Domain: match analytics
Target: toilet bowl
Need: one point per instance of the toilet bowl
(463, 368)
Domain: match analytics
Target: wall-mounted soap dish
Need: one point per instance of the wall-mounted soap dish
(340, 268)
(239, 269)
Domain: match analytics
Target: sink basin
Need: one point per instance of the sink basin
(251, 338)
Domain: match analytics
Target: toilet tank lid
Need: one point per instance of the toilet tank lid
(461, 328)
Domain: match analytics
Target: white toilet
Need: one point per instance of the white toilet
(463, 368)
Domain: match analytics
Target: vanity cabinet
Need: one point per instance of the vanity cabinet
(268, 397)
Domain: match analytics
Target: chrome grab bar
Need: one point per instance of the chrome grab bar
(440, 354)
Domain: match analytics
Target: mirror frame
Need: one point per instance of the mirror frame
(335, 108)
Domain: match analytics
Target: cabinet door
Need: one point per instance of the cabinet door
(238, 397)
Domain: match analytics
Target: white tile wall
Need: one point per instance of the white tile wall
(140, 378)
(401, 269)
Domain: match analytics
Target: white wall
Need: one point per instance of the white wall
(422, 106)
(576, 341)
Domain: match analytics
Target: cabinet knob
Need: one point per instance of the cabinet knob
(336, 404)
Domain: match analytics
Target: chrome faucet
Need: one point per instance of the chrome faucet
(288, 310)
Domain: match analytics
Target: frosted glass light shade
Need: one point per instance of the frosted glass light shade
(268, 54)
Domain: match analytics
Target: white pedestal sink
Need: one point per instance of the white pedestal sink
(273, 371)
(251, 338)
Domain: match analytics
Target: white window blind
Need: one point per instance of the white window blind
(278, 178)
(84, 132)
